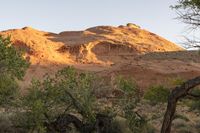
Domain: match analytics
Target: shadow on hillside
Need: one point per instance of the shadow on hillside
(73, 37)
(187, 56)
(70, 38)
(142, 74)
(104, 49)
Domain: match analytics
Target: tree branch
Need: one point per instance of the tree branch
(193, 96)
(177, 93)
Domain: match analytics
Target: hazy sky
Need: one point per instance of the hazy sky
(61, 15)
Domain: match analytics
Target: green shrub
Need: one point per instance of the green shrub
(12, 67)
(194, 104)
(128, 87)
(177, 81)
(68, 92)
(71, 92)
(157, 94)
(128, 102)
(11, 60)
(8, 90)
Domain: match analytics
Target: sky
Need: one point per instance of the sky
(62, 15)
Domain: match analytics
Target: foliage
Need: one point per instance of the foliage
(12, 66)
(184, 4)
(177, 81)
(128, 103)
(157, 94)
(195, 103)
(128, 86)
(8, 90)
(71, 92)
(67, 92)
(189, 13)
(11, 61)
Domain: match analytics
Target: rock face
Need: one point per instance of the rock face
(130, 25)
(106, 50)
(100, 44)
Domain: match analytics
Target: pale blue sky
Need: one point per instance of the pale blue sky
(62, 15)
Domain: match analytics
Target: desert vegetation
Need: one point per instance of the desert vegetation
(70, 100)
(58, 101)
(67, 101)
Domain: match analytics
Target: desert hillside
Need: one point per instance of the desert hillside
(106, 50)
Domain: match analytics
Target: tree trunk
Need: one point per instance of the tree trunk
(176, 94)
(61, 124)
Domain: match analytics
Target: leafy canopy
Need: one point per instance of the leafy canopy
(12, 66)
(11, 61)
(67, 92)
(157, 94)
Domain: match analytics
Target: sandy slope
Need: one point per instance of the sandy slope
(106, 50)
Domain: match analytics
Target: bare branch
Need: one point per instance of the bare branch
(177, 93)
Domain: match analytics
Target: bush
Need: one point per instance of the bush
(194, 104)
(68, 92)
(71, 92)
(157, 94)
(68, 97)
(177, 81)
(12, 66)
(8, 90)
(128, 102)
(128, 87)
(11, 60)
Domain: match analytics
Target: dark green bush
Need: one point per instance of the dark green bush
(11, 60)
(128, 102)
(71, 92)
(157, 94)
(12, 67)
(8, 90)
(194, 104)
(177, 81)
(68, 92)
